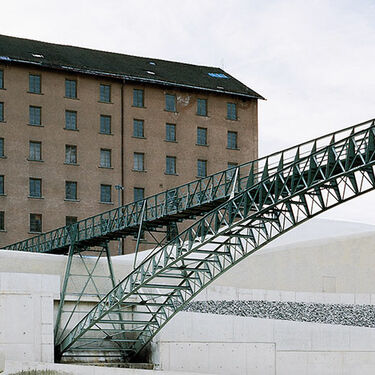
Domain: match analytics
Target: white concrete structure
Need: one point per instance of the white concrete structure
(26, 315)
(239, 345)
(321, 261)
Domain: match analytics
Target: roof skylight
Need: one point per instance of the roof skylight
(217, 75)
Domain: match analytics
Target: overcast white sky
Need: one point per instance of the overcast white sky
(313, 60)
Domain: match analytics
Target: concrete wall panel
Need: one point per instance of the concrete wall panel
(26, 316)
(227, 358)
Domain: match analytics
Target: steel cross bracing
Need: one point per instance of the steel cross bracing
(174, 273)
(183, 202)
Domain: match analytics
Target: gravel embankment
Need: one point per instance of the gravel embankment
(352, 315)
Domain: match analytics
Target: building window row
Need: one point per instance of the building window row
(35, 87)
(71, 122)
(170, 164)
(35, 119)
(35, 149)
(171, 106)
(35, 222)
(35, 153)
(171, 134)
(35, 219)
(71, 189)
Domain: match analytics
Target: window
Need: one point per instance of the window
(2, 220)
(138, 98)
(139, 193)
(2, 189)
(35, 188)
(106, 193)
(34, 83)
(105, 158)
(202, 168)
(70, 154)
(232, 140)
(202, 107)
(1, 112)
(71, 190)
(202, 136)
(139, 159)
(71, 120)
(35, 223)
(231, 111)
(231, 170)
(1, 79)
(35, 115)
(138, 128)
(69, 220)
(35, 151)
(1, 147)
(105, 93)
(170, 165)
(71, 88)
(170, 103)
(105, 124)
(170, 132)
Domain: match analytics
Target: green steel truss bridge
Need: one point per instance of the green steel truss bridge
(199, 230)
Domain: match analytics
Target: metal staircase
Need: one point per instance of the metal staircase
(244, 209)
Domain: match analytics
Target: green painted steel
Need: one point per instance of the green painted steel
(180, 203)
(278, 199)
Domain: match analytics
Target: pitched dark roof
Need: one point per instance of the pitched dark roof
(116, 65)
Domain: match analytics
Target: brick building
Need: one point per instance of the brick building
(76, 122)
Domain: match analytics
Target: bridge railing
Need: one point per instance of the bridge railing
(191, 195)
(303, 180)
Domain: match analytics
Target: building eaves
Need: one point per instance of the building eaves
(120, 66)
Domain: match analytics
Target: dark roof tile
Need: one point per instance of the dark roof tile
(118, 65)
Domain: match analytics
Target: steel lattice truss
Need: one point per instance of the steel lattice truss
(180, 203)
(275, 201)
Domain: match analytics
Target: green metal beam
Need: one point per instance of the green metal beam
(279, 200)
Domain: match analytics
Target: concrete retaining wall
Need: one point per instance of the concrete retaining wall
(26, 316)
(222, 344)
(333, 270)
